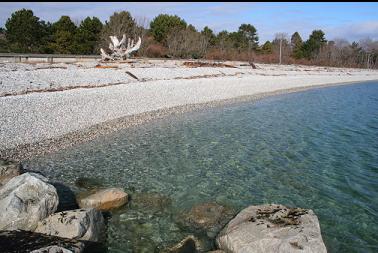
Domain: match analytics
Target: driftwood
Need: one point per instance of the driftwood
(98, 66)
(206, 64)
(120, 50)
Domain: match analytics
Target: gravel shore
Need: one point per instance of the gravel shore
(35, 119)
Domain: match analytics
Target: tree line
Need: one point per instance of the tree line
(171, 36)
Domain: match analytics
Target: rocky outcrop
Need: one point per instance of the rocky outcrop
(80, 224)
(8, 170)
(105, 199)
(207, 217)
(25, 200)
(272, 229)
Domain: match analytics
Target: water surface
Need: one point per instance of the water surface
(316, 149)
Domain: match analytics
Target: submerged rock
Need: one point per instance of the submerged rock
(8, 170)
(154, 203)
(80, 224)
(272, 228)
(105, 199)
(207, 217)
(88, 183)
(189, 244)
(25, 200)
(67, 198)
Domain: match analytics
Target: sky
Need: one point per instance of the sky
(351, 21)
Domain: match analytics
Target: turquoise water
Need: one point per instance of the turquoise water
(316, 149)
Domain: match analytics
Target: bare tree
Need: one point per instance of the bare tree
(281, 40)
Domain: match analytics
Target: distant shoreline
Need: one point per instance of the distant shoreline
(28, 151)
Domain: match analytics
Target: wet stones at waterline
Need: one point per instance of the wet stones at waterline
(209, 218)
(103, 199)
(272, 229)
(25, 200)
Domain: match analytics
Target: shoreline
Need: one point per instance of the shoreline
(50, 145)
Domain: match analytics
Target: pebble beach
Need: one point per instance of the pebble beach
(49, 106)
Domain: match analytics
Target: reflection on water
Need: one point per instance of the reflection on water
(316, 149)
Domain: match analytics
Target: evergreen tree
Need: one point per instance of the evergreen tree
(249, 36)
(267, 48)
(63, 35)
(296, 45)
(313, 45)
(24, 31)
(119, 23)
(209, 34)
(87, 36)
(163, 24)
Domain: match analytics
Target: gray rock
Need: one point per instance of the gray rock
(8, 170)
(272, 229)
(79, 224)
(25, 200)
(104, 199)
(206, 217)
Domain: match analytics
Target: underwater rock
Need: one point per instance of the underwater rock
(80, 224)
(189, 244)
(104, 199)
(25, 200)
(8, 170)
(206, 217)
(67, 198)
(272, 228)
(88, 183)
(150, 202)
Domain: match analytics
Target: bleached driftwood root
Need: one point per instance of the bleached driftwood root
(120, 50)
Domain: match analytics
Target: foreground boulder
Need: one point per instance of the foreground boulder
(80, 224)
(25, 200)
(8, 170)
(105, 199)
(272, 228)
(206, 217)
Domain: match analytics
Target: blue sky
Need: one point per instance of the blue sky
(352, 21)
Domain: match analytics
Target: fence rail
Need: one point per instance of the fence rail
(50, 58)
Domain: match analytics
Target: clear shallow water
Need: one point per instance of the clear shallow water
(316, 149)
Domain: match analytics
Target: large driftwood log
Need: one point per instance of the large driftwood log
(120, 50)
